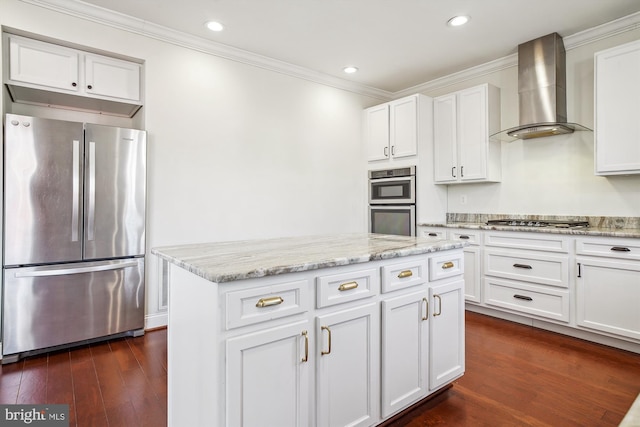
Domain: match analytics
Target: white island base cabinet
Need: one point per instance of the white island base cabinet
(303, 360)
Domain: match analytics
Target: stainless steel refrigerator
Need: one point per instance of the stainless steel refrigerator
(74, 233)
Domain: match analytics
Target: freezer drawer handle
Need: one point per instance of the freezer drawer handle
(77, 270)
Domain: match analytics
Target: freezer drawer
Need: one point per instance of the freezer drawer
(62, 304)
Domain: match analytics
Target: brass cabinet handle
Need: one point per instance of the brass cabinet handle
(525, 266)
(326, 328)
(348, 286)
(439, 306)
(306, 346)
(447, 265)
(405, 273)
(267, 302)
(426, 302)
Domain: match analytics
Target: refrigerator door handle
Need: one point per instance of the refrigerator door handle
(92, 191)
(75, 209)
(76, 270)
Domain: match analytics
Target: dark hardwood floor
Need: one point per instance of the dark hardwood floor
(516, 376)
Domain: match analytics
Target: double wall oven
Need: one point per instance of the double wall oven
(392, 201)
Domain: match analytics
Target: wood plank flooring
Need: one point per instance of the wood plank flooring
(516, 376)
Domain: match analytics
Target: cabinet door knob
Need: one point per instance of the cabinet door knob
(89, 87)
(74, 84)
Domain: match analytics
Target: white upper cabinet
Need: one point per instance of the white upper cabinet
(393, 129)
(48, 74)
(462, 124)
(617, 108)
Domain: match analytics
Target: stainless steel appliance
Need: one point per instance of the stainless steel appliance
(74, 233)
(538, 223)
(392, 201)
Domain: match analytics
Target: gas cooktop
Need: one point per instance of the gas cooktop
(538, 223)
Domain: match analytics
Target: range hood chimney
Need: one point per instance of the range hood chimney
(541, 91)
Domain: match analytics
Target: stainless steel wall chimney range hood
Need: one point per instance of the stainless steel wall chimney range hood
(541, 91)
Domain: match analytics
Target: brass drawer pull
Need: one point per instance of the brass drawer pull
(447, 265)
(405, 273)
(348, 286)
(267, 302)
(525, 266)
(326, 328)
(306, 346)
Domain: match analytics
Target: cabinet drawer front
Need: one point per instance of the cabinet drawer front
(610, 248)
(443, 266)
(404, 275)
(344, 287)
(544, 302)
(539, 268)
(533, 240)
(433, 234)
(473, 237)
(261, 304)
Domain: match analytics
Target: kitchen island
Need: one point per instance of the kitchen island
(311, 331)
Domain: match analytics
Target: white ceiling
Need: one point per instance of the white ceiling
(396, 44)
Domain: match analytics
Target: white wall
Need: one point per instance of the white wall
(553, 176)
(234, 151)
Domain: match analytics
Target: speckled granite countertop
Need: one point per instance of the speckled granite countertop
(628, 227)
(229, 261)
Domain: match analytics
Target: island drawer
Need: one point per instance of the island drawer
(536, 300)
(531, 267)
(348, 286)
(404, 275)
(250, 306)
(443, 266)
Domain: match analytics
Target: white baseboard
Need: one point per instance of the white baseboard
(157, 320)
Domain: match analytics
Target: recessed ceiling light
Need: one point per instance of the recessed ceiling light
(214, 26)
(350, 70)
(456, 21)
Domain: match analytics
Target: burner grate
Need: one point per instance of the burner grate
(524, 222)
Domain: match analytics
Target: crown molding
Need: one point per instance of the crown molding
(123, 22)
(133, 25)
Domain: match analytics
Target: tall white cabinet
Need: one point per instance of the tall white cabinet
(617, 108)
(462, 124)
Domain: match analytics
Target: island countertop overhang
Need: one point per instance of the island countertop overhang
(237, 260)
